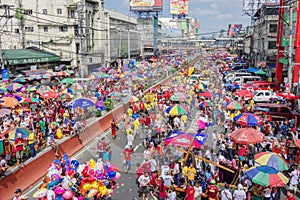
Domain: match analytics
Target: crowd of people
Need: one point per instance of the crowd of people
(216, 170)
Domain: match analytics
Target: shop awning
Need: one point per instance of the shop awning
(283, 61)
(28, 56)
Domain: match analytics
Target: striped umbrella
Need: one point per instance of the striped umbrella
(29, 100)
(14, 86)
(176, 110)
(179, 97)
(130, 99)
(206, 104)
(272, 160)
(248, 119)
(233, 105)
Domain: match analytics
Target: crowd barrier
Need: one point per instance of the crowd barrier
(35, 169)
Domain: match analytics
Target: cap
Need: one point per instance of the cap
(18, 191)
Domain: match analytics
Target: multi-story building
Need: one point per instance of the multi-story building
(263, 36)
(72, 29)
(121, 29)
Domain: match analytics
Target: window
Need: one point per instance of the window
(59, 11)
(91, 60)
(45, 28)
(272, 45)
(272, 28)
(268, 94)
(28, 29)
(72, 13)
(63, 29)
(45, 12)
(28, 12)
(17, 30)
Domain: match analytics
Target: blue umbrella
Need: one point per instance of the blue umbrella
(248, 119)
(82, 103)
(252, 70)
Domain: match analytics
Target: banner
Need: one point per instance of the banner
(234, 29)
(146, 5)
(5, 75)
(179, 7)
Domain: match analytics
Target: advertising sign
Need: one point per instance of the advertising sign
(179, 7)
(146, 5)
(4, 75)
(234, 29)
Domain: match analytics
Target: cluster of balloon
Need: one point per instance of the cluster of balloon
(71, 180)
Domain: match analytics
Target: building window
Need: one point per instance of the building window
(28, 29)
(59, 11)
(63, 29)
(17, 30)
(273, 28)
(72, 13)
(28, 12)
(45, 28)
(272, 45)
(45, 12)
(91, 60)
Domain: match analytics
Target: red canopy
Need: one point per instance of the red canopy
(288, 95)
(244, 93)
(247, 136)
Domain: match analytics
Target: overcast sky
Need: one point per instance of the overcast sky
(213, 15)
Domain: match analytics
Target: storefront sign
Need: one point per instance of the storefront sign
(31, 60)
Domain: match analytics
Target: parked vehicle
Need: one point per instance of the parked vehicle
(265, 96)
(278, 112)
(244, 79)
(266, 86)
(232, 76)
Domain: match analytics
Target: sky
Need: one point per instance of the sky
(213, 15)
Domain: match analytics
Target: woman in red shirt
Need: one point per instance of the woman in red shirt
(190, 192)
(162, 190)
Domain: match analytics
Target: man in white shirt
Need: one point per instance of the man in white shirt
(226, 194)
(153, 166)
(144, 181)
(240, 193)
(198, 191)
(294, 177)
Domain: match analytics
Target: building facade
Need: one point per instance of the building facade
(71, 29)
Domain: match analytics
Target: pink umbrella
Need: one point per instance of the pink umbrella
(201, 124)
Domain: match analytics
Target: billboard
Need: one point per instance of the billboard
(234, 29)
(146, 5)
(179, 7)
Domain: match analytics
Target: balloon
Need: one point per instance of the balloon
(41, 193)
(65, 182)
(59, 190)
(54, 177)
(85, 171)
(56, 161)
(102, 190)
(76, 175)
(68, 195)
(92, 163)
(91, 172)
(112, 174)
(92, 193)
(59, 197)
(95, 185)
(80, 198)
(46, 180)
(88, 179)
(118, 175)
(86, 186)
(74, 164)
(50, 195)
(66, 159)
(113, 168)
(71, 172)
(53, 183)
(106, 166)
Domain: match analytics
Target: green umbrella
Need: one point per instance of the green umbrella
(260, 72)
(68, 80)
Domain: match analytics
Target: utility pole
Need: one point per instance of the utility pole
(128, 43)
(290, 64)
(80, 8)
(21, 19)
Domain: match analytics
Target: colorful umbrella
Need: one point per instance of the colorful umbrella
(20, 80)
(76, 87)
(31, 89)
(67, 96)
(30, 100)
(184, 139)
(247, 136)
(260, 72)
(4, 112)
(272, 160)
(12, 134)
(50, 95)
(288, 95)
(67, 91)
(233, 105)
(115, 94)
(248, 119)
(206, 94)
(68, 81)
(14, 86)
(184, 107)
(199, 86)
(206, 104)
(244, 93)
(9, 102)
(176, 110)
(63, 73)
(266, 176)
(42, 89)
(179, 97)
(3, 90)
(201, 124)
(82, 103)
(130, 99)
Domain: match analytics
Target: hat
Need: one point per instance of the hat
(18, 191)
(240, 187)
(213, 182)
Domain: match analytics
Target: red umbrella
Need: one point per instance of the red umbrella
(50, 95)
(288, 95)
(247, 136)
(145, 167)
(206, 94)
(244, 93)
(297, 143)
